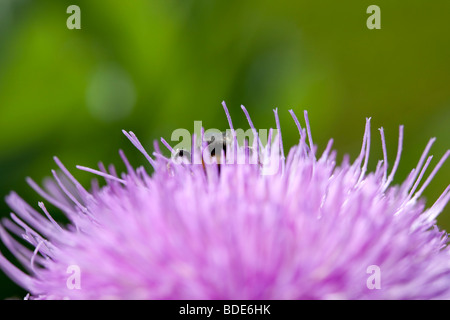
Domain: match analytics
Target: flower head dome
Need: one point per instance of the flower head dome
(245, 223)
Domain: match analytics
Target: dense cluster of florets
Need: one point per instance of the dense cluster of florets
(212, 230)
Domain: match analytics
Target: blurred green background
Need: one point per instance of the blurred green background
(154, 66)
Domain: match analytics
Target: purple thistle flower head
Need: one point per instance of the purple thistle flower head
(227, 226)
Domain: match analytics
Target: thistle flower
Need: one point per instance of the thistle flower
(217, 230)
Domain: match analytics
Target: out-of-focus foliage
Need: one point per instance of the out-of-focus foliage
(154, 66)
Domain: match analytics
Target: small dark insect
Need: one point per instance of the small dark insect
(218, 143)
(182, 156)
(183, 153)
